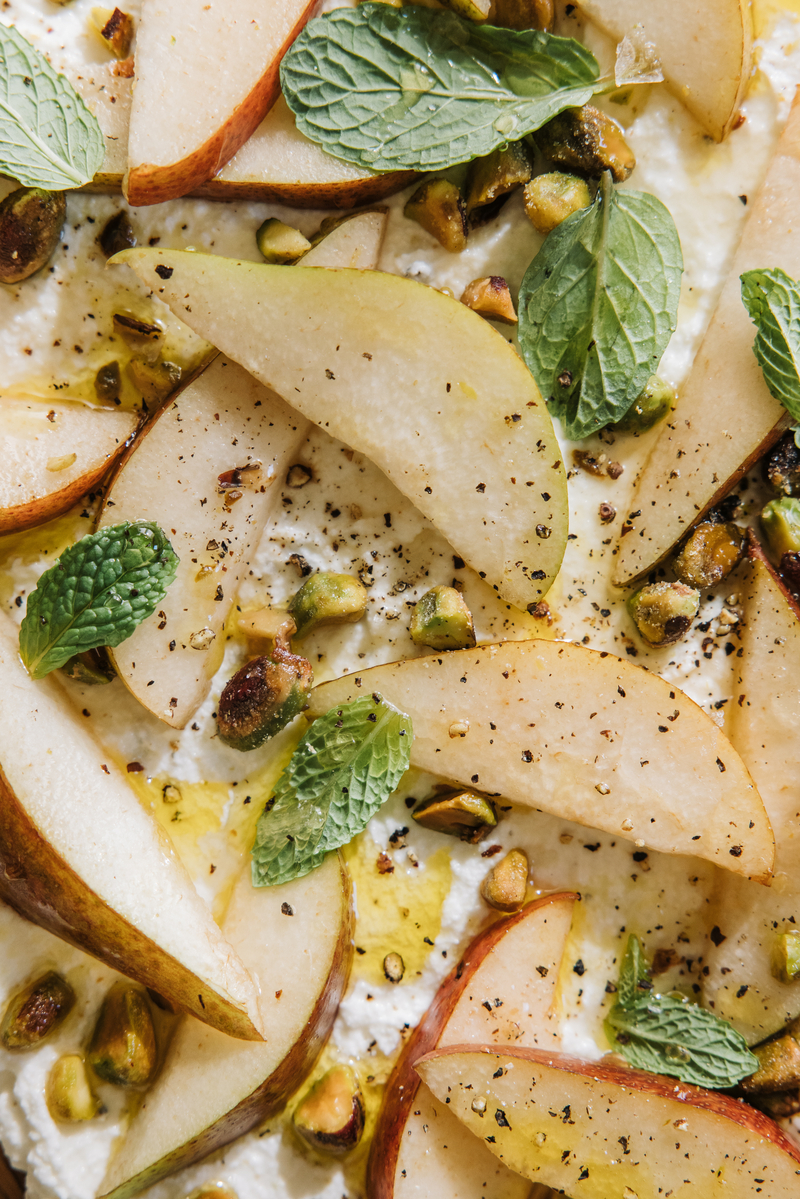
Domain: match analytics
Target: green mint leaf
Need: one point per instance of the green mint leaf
(598, 306)
(96, 594)
(48, 137)
(634, 976)
(772, 300)
(344, 768)
(669, 1036)
(420, 89)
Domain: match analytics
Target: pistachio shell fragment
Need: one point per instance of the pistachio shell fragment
(281, 243)
(439, 208)
(663, 612)
(330, 1117)
(782, 466)
(328, 598)
(490, 297)
(587, 141)
(442, 620)
(115, 29)
(505, 886)
(36, 1011)
(123, 1048)
(710, 554)
(117, 234)
(263, 697)
(655, 402)
(68, 1091)
(492, 178)
(465, 814)
(31, 222)
(780, 520)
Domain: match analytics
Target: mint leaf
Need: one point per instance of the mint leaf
(96, 594)
(772, 300)
(634, 975)
(420, 89)
(598, 306)
(48, 137)
(344, 768)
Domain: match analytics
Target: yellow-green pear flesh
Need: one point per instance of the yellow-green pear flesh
(585, 735)
(424, 387)
(81, 857)
(297, 941)
(745, 980)
(704, 50)
(52, 453)
(356, 242)
(725, 417)
(619, 1132)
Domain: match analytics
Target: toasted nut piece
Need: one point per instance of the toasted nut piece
(117, 234)
(551, 198)
(492, 179)
(786, 956)
(491, 298)
(31, 221)
(473, 10)
(663, 612)
(523, 14)
(68, 1091)
(710, 554)
(280, 243)
(438, 206)
(154, 382)
(782, 466)
(790, 571)
(36, 1011)
(587, 141)
(778, 1105)
(464, 814)
(442, 620)
(394, 967)
(655, 402)
(330, 1116)
(108, 382)
(780, 520)
(505, 886)
(218, 1191)
(115, 28)
(264, 696)
(328, 598)
(92, 668)
(144, 339)
(779, 1065)
(123, 1049)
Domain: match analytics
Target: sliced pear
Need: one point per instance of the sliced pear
(725, 418)
(356, 242)
(705, 50)
(590, 737)
(422, 385)
(206, 74)
(603, 1131)
(501, 992)
(52, 454)
(741, 982)
(80, 857)
(297, 941)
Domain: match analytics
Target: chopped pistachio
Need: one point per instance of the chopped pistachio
(264, 696)
(154, 382)
(330, 1116)
(551, 198)
(91, 669)
(523, 14)
(68, 1091)
(36, 1011)
(710, 554)
(108, 382)
(117, 234)
(505, 885)
(490, 297)
(663, 612)
(217, 1191)
(123, 1049)
(115, 29)
(492, 179)
(587, 141)
(786, 959)
(790, 571)
(473, 10)
(464, 814)
(778, 1065)
(31, 221)
(280, 243)
(439, 208)
(328, 598)
(782, 466)
(656, 401)
(394, 967)
(442, 620)
(780, 520)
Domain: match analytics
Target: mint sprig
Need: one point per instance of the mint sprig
(344, 768)
(48, 137)
(772, 299)
(668, 1035)
(420, 89)
(96, 594)
(598, 306)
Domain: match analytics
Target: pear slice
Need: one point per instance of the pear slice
(705, 50)
(604, 1131)
(740, 982)
(80, 857)
(206, 74)
(421, 384)
(590, 737)
(297, 941)
(501, 992)
(725, 418)
(356, 242)
(52, 454)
